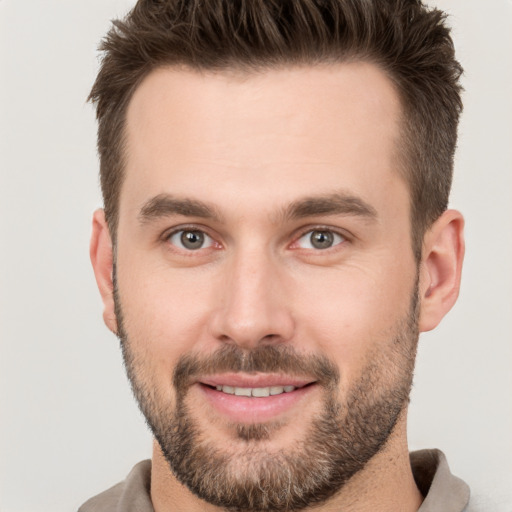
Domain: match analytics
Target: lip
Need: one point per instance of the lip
(247, 410)
(257, 380)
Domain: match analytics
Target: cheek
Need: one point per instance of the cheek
(164, 312)
(355, 314)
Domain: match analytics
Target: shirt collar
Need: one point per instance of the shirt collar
(442, 490)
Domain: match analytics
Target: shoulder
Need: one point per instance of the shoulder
(106, 501)
(130, 495)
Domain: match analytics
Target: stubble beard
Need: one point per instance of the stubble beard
(348, 432)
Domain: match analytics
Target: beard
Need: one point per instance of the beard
(351, 428)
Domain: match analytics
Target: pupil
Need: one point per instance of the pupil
(321, 239)
(192, 239)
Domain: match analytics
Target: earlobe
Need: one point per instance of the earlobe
(441, 267)
(101, 254)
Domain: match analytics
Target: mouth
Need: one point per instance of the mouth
(254, 398)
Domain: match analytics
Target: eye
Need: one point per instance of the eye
(319, 239)
(190, 239)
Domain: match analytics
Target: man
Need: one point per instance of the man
(274, 238)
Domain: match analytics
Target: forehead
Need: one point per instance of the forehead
(234, 133)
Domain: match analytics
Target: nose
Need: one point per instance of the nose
(253, 306)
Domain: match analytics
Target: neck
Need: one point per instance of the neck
(385, 484)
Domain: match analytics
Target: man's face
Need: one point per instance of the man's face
(264, 249)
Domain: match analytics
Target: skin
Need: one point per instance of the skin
(249, 146)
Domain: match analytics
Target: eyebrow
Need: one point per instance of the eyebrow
(165, 205)
(340, 203)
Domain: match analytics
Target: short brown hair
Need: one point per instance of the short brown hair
(407, 40)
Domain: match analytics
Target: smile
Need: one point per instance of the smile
(254, 398)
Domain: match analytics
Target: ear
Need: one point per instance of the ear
(101, 254)
(441, 267)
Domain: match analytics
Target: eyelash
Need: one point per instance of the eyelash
(322, 229)
(166, 237)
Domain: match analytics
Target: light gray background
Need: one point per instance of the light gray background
(69, 427)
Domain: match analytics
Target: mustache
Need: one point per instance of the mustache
(262, 359)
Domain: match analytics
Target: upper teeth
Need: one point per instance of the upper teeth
(259, 392)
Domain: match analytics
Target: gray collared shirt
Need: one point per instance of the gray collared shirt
(442, 490)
